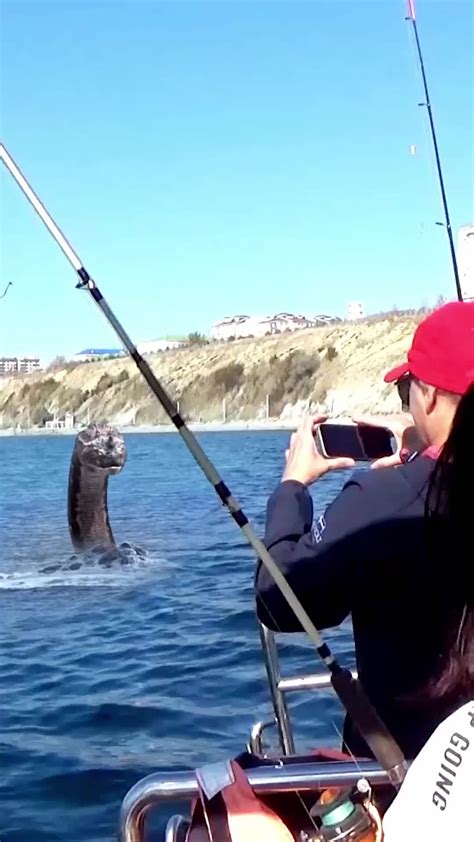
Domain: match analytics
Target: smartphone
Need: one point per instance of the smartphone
(361, 443)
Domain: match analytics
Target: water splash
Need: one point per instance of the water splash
(88, 571)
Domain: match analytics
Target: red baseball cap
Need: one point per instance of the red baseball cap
(442, 350)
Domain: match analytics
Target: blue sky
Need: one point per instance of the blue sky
(207, 158)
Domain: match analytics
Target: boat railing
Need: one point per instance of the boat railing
(279, 687)
(162, 787)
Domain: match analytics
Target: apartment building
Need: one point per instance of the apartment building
(19, 365)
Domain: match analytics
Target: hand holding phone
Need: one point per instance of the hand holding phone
(406, 436)
(304, 462)
(362, 443)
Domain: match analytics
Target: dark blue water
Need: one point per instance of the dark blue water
(107, 675)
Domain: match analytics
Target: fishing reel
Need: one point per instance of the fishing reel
(344, 816)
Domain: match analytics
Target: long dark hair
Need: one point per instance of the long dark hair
(450, 513)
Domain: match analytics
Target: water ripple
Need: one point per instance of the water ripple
(109, 675)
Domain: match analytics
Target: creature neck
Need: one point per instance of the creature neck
(88, 516)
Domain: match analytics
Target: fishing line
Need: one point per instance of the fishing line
(420, 133)
(348, 689)
(411, 16)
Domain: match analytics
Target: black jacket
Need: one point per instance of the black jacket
(369, 556)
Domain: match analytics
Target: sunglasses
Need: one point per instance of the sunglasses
(403, 386)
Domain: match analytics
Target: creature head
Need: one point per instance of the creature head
(101, 447)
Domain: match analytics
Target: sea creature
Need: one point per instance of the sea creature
(99, 452)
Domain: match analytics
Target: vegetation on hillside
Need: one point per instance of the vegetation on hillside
(338, 364)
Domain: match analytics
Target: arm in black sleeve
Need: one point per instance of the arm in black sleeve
(318, 562)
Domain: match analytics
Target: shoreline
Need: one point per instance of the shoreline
(251, 426)
(196, 426)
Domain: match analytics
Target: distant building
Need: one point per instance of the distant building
(465, 256)
(66, 423)
(281, 322)
(154, 346)
(355, 310)
(326, 320)
(238, 327)
(231, 327)
(90, 354)
(8, 365)
(28, 364)
(19, 365)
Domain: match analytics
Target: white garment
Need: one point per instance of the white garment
(436, 800)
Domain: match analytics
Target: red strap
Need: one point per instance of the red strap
(432, 452)
(215, 813)
(322, 755)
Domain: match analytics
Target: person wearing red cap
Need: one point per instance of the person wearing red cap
(442, 351)
(392, 549)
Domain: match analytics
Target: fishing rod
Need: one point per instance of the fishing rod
(412, 17)
(6, 289)
(348, 689)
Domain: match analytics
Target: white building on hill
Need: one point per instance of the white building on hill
(355, 310)
(19, 365)
(238, 327)
(90, 354)
(154, 346)
(231, 326)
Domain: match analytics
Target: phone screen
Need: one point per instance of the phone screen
(377, 441)
(357, 442)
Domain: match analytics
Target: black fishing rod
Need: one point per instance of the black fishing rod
(411, 17)
(348, 689)
(6, 289)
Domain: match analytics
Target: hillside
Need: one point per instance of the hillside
(339, 368)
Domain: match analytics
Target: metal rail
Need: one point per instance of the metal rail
(182, 786)
(176, 829)
(317, 681)
(272, 666)
(279, 687)
(162, 787)
(255, 743)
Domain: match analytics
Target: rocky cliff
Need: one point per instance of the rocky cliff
(339, 368)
